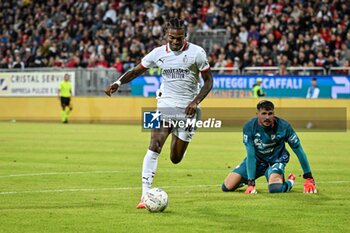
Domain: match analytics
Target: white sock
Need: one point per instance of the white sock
(292, 182)
(149, 168)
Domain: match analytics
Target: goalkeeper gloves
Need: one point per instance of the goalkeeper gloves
(310, 186)
(251, 187)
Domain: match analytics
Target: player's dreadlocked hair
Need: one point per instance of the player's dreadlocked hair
(265, 104)
(176, 23)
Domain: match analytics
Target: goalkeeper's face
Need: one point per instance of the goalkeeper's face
(266, 117)
(176, 38)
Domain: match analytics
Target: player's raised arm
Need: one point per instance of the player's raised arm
(125, 78)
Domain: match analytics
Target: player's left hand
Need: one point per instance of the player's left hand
(191, 109)
(251, 190)
(310, 186)
(111, 89)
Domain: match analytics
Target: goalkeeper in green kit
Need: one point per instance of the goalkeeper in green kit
(264, 138)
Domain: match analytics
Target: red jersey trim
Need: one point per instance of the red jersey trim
(206, 69)
(143, 66)
(184, 47)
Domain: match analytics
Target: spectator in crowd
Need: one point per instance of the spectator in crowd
(313, 91)
(315, 32)
(118, 65)
(346, 68)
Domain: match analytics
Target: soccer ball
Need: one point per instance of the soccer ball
(156, 200)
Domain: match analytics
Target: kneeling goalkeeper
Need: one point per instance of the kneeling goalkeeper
(264, 138)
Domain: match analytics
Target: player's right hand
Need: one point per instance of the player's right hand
(191, 109)
(251, 190)
(111, 89)
(310, 186)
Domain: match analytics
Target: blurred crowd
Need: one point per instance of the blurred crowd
(118, 33)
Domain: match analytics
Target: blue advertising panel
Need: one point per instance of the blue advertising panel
(275, 86)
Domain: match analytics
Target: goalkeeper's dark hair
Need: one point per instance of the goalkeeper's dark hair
(265, 104)
(176, 23)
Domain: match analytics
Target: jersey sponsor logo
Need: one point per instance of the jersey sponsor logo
(175, 73)
(263, 148)
(258, 143)
(267, 151)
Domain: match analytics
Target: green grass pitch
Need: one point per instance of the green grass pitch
(86, 178)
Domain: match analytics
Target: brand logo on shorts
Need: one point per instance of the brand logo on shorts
(151, 120)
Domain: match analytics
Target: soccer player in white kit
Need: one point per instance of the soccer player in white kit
(180, 62)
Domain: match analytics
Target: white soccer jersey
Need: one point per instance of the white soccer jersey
(179, 69)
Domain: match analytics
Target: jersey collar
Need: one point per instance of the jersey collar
(183, 48)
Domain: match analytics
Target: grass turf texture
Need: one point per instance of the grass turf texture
(86, 178)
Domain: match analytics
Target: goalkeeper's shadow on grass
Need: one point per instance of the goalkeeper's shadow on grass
(312, 199)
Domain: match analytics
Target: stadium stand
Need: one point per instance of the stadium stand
(118, 33)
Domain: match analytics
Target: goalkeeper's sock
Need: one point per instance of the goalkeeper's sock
(287, 186)
(149, 168)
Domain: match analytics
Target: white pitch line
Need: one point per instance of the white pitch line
(95, 189)
(57, 173)
(333, 182)
(66, 173)
(130, 188)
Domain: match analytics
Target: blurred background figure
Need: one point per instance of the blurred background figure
(313, 91)
(257, 89)
(64, 93)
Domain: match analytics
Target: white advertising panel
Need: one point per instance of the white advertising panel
(33, 83)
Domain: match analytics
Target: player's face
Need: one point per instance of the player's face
(266, 117)
(176, 38)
